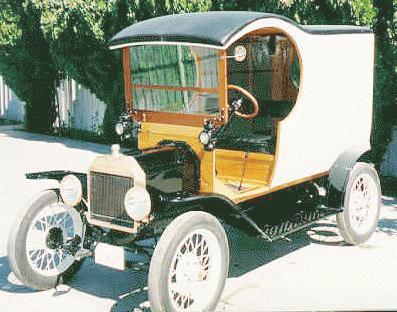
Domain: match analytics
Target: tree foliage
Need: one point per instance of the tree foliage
(42, 40)
(26, 63)
(385, 117)
(79, 30)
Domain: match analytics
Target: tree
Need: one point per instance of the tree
(43, 40)
(26, 63)
(385, 115)
(79, 31)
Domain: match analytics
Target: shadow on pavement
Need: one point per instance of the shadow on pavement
(389, 201)
(326, 234)
(249, 253)
(127, 288)
(388, 226)
(8, 282)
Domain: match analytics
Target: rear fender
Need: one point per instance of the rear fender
(340, 173)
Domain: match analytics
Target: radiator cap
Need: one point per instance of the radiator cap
(115, 150)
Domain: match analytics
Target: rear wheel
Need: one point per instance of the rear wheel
(362, 204)
(190, 264)
(36, 252)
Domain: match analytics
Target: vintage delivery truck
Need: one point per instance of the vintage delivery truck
(230, 110)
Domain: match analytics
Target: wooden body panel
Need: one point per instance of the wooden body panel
(220, 170)
(253, 167)
(152, 133)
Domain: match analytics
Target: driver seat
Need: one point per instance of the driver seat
(249, 135)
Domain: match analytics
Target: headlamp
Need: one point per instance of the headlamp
(71, 190)
(119, 128)
(137, 203)
(204, 137)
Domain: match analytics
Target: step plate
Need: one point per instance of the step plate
(296, 222)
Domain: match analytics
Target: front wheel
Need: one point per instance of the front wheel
(362, 204)
(37, 240)
(190, 264)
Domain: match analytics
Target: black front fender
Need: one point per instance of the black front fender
(58, 175)
(217, 205)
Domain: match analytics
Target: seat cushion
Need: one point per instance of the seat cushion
(252, 143)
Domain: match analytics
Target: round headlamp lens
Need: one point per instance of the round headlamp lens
(137, 203)
(204, 137)
(71, 190)
(119, 128)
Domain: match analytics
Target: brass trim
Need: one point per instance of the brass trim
(173, 118)
(127, 79)
(222, 85)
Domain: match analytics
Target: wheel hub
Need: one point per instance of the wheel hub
(49, 239)
(195, 270)
(189, 269)
(363, 203)
(54, 239)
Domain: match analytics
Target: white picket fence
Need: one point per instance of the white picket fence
(10, 106)
(78, 107)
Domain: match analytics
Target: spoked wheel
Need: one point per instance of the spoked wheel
(36, 244)
(189, 265)
(362, 203)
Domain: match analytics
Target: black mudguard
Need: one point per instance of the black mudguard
(340, 173)
(217, 205)
(58, 175)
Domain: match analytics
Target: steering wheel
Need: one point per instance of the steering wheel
(253, 100)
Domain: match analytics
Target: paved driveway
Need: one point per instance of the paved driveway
(313, 271)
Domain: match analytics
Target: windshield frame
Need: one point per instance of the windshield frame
(177, 118)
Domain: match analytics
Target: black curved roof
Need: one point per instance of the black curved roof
(211, 28)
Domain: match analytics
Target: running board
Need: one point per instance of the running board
(294, 223)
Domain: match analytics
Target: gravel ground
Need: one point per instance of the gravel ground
(315, 270)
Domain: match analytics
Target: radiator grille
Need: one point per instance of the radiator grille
(107, 198)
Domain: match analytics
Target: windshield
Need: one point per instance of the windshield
(174, 78)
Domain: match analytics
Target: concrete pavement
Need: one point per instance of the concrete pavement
(313, 271)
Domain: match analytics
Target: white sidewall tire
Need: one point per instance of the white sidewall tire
(166, 249)
(350, 232)
(16, 246)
